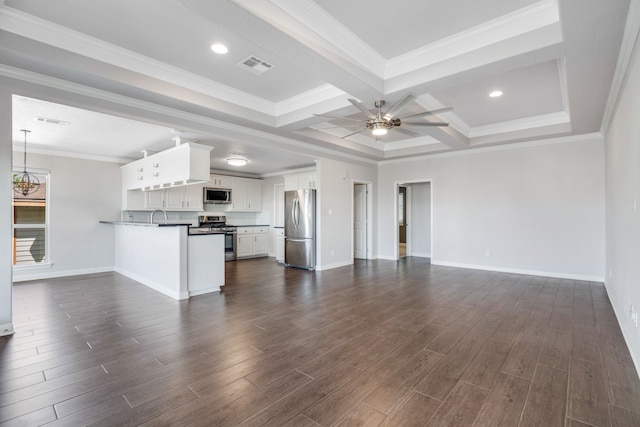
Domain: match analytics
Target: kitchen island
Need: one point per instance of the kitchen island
(167, 259)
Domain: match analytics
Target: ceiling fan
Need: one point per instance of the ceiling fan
(381, 122)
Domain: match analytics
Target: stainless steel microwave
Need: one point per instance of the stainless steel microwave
(217, 196)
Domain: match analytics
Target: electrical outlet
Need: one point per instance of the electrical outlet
(333, 252)
(487, 253)
(634, 315)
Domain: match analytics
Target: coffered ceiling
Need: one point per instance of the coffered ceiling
(554, 61)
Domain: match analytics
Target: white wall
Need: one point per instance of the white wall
(334, 210)
(537, 209)
(6, 243)
(81, 193)
(420, 225)
(622, 219)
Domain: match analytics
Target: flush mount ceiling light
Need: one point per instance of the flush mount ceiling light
(219, 48)
(495, 94)
(25, 183)
(236, 161)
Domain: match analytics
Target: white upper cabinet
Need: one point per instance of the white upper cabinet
(246, 195)
(300, 181)
(219, 181)
(184, 164)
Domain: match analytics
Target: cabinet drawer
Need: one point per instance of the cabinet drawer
(279, 232)
(245, 230)
(260, 230)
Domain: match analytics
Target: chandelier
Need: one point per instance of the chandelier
(25, 183)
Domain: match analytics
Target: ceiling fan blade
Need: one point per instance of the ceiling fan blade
(353, 133)
(393, 111)
(339, 127)
(338, 117)
(428, 113)
(425, 123)
(406, 132)
(362, 108)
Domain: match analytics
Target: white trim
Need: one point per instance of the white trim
(551, 119)
(153, 285)
(74, 155)
(628, 45)
(61, 273)
(289, 172)
(525, 20)
(335, 265)
(309, 98)
(34, 28)
(420, 255)
(513, 146)
(204, 291)
(634, 356)
(52, 82)
(556, 275)
(341, 40)
(7, 329)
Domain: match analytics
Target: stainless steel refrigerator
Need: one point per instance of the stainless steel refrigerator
(300, 228)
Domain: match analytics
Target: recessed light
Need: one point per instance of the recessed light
(495, 93)
(219, 48)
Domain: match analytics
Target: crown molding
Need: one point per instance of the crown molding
(342, 40)
(72, 154)
(627, 47)
(595, 136)
(527, 19)
(46, 32)
(309, 99)
(74, 88)
(551, 119)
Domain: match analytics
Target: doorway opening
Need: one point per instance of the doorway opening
(361, 240)
(413, 219)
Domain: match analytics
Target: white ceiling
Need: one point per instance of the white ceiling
(143, 73)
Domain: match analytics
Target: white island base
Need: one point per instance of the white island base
(169, 261)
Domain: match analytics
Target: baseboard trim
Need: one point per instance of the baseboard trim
(420, 255)
(204, 291)
(555, 275)
(63, 273)
(153, 285)
(335, 265)
(7, 329)
(634, 357)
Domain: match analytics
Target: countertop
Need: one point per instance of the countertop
(146, 224)
(245, 225)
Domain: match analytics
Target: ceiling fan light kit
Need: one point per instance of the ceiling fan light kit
(380, 123)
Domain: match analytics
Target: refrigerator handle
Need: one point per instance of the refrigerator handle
(296, 212)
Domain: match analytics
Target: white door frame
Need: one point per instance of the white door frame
(369, 216)
(396, 233)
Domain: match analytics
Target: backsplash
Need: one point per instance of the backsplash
(234, 218)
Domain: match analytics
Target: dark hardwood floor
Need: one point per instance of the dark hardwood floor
(378, 343)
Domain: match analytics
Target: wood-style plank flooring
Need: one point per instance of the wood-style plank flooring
(380, 343)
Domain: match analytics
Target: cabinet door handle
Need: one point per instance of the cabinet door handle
(155, 165)
(155, 174)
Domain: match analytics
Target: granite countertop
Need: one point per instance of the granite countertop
(251, 225)
(146, 224)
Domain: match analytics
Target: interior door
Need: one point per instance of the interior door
(360, 221)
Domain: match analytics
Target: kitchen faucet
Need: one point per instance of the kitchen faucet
(157, 210)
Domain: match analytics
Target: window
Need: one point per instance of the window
(30, 225)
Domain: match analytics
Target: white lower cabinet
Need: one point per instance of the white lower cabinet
(279, 239)
(252, 242)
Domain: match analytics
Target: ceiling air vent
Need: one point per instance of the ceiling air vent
(52, 121)
(255, 65)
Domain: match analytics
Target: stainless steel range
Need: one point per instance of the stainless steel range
(208, 224)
